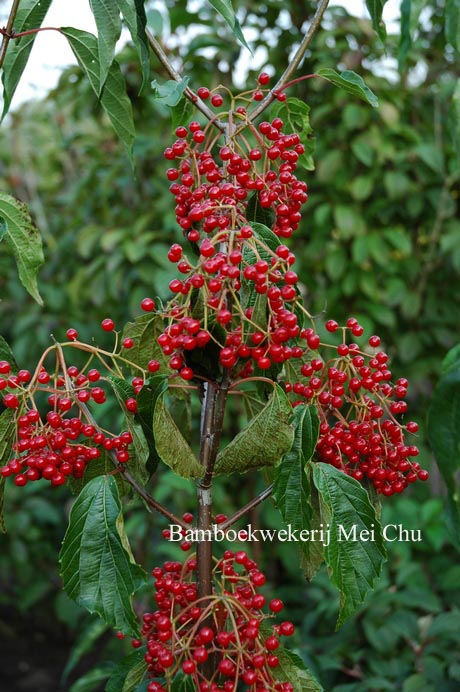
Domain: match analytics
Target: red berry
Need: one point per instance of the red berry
(148, 304)
(217, 100)
(108, 325)
(263, 78)
(72, 334)
(128, 342)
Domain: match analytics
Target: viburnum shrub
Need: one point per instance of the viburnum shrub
(327, 418)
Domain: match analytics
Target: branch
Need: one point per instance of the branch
(8, 31)
(174, 74)
(247, 508)
(295, 62)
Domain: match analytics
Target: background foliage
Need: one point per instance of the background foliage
(380, 240)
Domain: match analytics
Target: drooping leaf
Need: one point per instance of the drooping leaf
(107, 17)
(129, 673)
(295, 115)
(356, 551)
(351, 82)
(146, 401)
(169, 93)
(225, 9)
(444, 434)
(291, 488)
(97, 567)
(137, 462)
(25, 242)
(171, 445)
(133, 12)
(7, 354)
(113, 96)
(375, 8)
(30, 15)
(263, 441)
(91, 681)
(405, 39)
(144, 331)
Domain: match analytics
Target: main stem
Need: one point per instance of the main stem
(8, 31)
(212, 417)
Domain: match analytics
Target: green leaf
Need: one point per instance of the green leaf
(113, 96)
(7, 436)
(97, 567)
(137, 465)
(25, 242)
(7, 354)
(405, 38)
(291, 488)
(225, 9)
(456, 116)
(91, 681)
(146, 401)
(255, 212)
(170, 444)
(181, 113)
(129, 673)
(169, 93)
(108, 23)
(30, 15)
(292, 669)
(351, 82)
(444, 434)
(182, 683)
(133, 12)
(85, 641)
(452, 24)
(375, 8)
(296, 117)
(354, 555)
(263, 441)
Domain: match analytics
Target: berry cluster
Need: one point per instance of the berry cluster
(185, 632)
(63, 440)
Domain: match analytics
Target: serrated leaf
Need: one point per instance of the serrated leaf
(98, 467)
(375, 8)
(292, 669)
(169, 93)
(171, 445)
(354, 564)
(107, 17)
(113, 96)
(7, 354)
(258, 214)
(225, 9)
(30, 15)
(137, 465)
(263, 441)
(25, 242)
(291, 488)
(133, 12)
(351, 82)
(295, 115)
(97, 570)
(129, 673)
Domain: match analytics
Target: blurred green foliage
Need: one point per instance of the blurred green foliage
(380, 240)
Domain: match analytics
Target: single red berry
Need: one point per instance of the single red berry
(203, 93)
(11, 401)
(131, 405)
(217, 100)
(153, 366)
(331, 326)
(72, 334)
(108, 325)
(276, 605)
(263, 78)
(148, 304)
(128, 342)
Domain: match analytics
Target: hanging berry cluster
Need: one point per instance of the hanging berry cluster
(229, 627)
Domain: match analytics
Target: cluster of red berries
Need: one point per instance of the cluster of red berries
(62, 442)
(185, 632)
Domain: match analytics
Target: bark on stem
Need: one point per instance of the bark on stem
(8, 31)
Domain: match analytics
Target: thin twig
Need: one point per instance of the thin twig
(247, 508)
(294, 64)
(8, 31)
